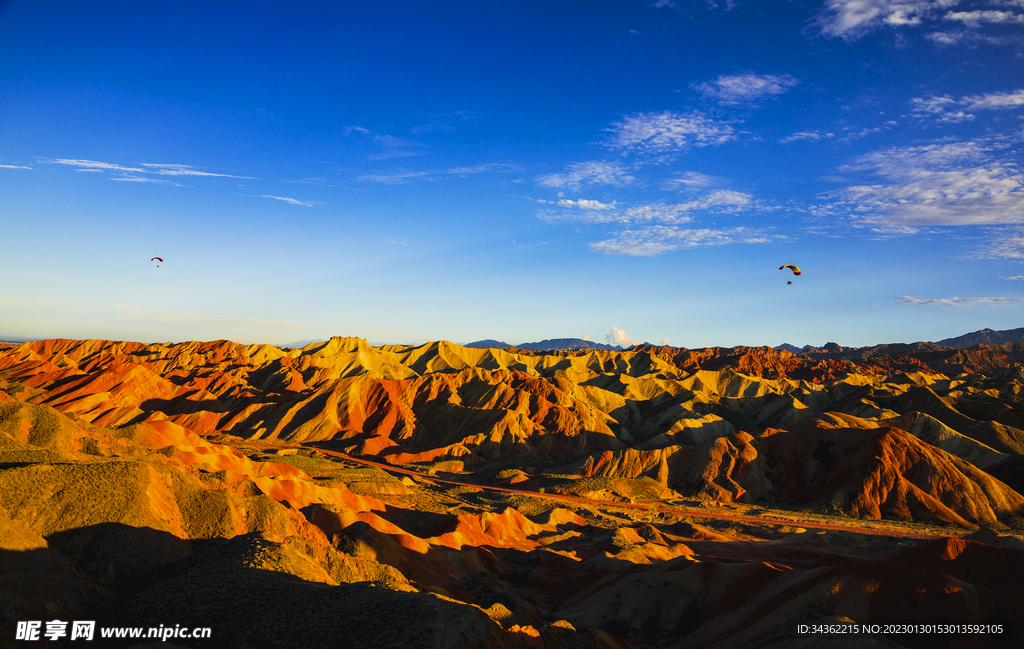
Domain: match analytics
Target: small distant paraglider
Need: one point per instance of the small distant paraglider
(160, 259)
(796, 271)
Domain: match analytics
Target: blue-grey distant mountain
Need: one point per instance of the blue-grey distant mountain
(566, 343)
(984, 337)
(490, 342)
(789, 348)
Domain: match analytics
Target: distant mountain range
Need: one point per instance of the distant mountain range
(548, 345)
(966, 341)
(985, 336)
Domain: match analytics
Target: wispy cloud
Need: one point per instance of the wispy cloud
(1006, 244)
(717, 202)
(811, 136)
(667, 132)
(852, 19)
(940, 108)
(140, 179)
(944, 108)
(660, 239)
(745, 88)
(443, 122)
(159, 169)
(400, 177)
(13, 167)
(688, 180)
(976, 17)
(311, 181)
(394, 146)
(92, 164)
(582, 174)
(184, 170)
(996, 100)
(969, 36)
(957, 301)
(957, 183)
(293, 201)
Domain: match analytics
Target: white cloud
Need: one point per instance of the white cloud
(92, 165)
(744, 88)
(139, 179)
(688, 180)
(944, 108)
(667, 132)
(616, 336)
(293, 201)
(996, 100)
(586, 204)
(852, 19)
(184, 170)
(659, 239)
(587, 173)
(721, 201)
(1006, 245)
(1013, 277)
(970, 37)
(13, 167)
(401, 177)
(812, 136)
(975, 18)
(956, 301)
(146, 168)
(959, 183)
(394, 177)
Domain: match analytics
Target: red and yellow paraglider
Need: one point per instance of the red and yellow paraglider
(796, 271)
(160, 259)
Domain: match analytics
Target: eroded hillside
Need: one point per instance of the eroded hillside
(488, 497)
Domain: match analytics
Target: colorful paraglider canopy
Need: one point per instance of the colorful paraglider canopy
(796, 271)
(156, 259)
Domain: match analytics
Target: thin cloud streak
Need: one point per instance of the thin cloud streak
(292, 201)
(144, 167)
(956, 301)
(403, 177)
(185, 170)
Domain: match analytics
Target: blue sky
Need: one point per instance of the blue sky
(414, 171)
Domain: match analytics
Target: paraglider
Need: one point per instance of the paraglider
(796, 271)
(157, 259)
